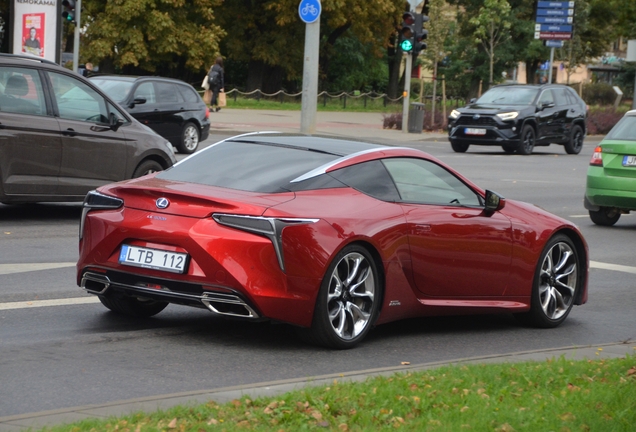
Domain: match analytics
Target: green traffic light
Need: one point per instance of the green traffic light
(406, 45)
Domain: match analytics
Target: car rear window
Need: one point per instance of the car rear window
(625, 129)
(248, 166)
(509, 96)
(188, 93)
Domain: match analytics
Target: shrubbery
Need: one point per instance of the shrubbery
(599, 94)
(394, 121)
(600, 121)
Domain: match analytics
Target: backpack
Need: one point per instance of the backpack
(214, 78)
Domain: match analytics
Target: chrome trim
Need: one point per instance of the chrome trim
(275, 235)
(323, 169)
(207, 299)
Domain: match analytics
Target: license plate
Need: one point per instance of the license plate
(474, 131)
(629, 160)
(157, 259)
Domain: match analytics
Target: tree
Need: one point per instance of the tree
(492, 24)
(172, 37)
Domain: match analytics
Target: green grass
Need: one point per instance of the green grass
(556, 395)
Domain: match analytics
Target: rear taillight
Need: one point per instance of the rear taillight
(207, 112)
(597, 159)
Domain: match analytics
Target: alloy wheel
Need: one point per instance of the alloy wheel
(558, 279)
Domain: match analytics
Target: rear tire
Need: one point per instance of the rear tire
(459, 147)
(575, 145)
(605, 216)
(147, 167)
(189, 139)
(528, 138)
(133, 306)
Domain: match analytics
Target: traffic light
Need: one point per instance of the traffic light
(68, 12)
(407, 32)
(420, 34)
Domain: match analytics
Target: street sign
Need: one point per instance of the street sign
(553, 43)
(555, 12)
(309, 10)
(552, 28)
(555, 20)
(552, 35)
(555, 4)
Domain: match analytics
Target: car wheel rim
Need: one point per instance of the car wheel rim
(351, 296)
(557, 281)
(190, 138)
(578, 140)
(528, 141)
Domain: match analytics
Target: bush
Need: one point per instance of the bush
(599, 94)
(394, 120)
(599, 122)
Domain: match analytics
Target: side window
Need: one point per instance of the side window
(188, 94)
(561, 97)
(546, 97)
(146, 90)
(370, 178)
(422, 181)
(167, 92)
(114, 112)
(76, 100)
(21, 91)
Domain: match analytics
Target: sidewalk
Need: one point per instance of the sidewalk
(359, 125)
(222, 395)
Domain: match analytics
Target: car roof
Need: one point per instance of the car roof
(133, 78)
(27, 60)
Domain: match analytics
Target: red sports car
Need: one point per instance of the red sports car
(330, 235)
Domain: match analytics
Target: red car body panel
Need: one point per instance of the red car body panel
(433, 260)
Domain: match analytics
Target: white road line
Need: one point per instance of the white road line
(44, 303)
(615, 267)
(27, 267)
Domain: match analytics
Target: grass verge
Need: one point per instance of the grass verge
(556, 395)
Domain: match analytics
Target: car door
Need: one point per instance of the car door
(562, 121)
(148, 113)
(546, 116)
(172, 107)
(93, 153)
(30, 142)
(457, 249)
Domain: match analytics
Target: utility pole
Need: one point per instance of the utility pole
(309, 11)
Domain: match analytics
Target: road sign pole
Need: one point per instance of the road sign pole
(550, 66)
(309, 103)
(407, 91)
(76, 35)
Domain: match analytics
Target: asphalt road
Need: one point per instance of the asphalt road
(58, 356)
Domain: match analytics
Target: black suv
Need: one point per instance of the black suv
(170, 107)
(60, 136)
(520, 117)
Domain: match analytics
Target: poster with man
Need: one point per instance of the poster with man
(32, 31)
(34, 28)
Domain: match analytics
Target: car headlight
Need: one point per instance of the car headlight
(97, 201)
(454, 114)
(508, 116)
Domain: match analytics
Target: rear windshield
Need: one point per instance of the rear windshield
(253, 167)
(509, 96)
(116, 89)
(625, 129)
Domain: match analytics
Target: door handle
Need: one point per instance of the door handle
(69, 132)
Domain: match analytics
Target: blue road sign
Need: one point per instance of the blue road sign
(555, 20)
(555, 12)
(309, 10)
(553, 28)
(554, 43)
(555, 4)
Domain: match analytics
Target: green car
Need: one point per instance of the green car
(611, 176)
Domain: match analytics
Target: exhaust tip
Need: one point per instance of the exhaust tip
(95, 283)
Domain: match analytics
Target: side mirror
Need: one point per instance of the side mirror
(137, 101)
(547, 105)
(473, 100)
(115, 122)
(494, 201)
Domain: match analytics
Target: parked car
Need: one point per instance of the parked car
(611, 177)
(332, 236)
(170, 107)
(61, 137)
(520, 117)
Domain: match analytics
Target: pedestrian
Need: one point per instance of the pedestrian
(216, 82)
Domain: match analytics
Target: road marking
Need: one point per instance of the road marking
(44, 303)
(28, 267)
(615, 267)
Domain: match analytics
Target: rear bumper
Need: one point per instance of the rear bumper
(609, 191)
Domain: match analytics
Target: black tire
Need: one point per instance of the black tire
(575, 145)
(133, 306)
(459, 147)
(147, 167)
(189, 142)
(528, 138)
(508, 148)
(343, 317)
(556, 284)
(605, 216)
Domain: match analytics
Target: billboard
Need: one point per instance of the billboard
(35, 28)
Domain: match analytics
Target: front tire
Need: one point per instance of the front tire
(605, 216)
(348, 302)
(189, 139)
(555, 285)
(459, 147)
(575, 145)
(133, 306)
(528, 138)
(510, 149)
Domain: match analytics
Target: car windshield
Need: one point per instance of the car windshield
(509, 96)
(116, 89)
(625, 129)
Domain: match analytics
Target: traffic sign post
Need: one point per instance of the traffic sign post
(309, 12)
(554, 24)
